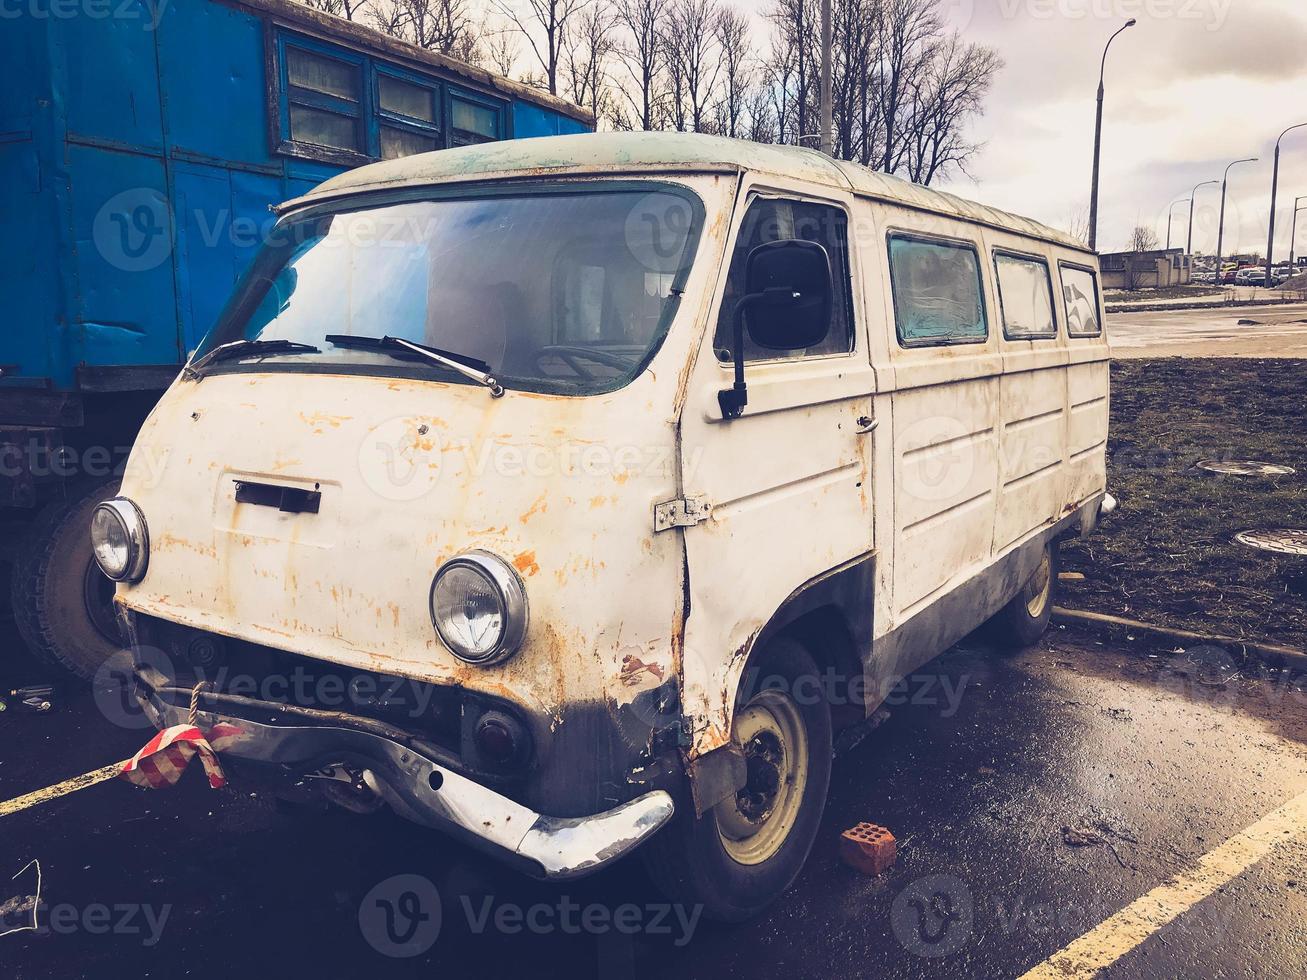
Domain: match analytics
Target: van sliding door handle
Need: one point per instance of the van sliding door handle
(866, 424)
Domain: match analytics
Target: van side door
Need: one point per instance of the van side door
(786, 485)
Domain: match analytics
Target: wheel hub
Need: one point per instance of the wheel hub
(755, 822)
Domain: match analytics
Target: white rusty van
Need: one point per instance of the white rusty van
(568, 494)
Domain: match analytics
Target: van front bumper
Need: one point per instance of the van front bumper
(427, 791)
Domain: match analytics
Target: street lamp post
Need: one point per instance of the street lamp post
(1293, 233)
(1098, 141)
(1169, 214)
(825, 108)
(1275, 180)
(1189, 246)
(1220, 225)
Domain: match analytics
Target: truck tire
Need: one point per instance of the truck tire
(62, 602)
(1025, 619)
(742, 855)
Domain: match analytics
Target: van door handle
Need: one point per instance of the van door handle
(866, 424)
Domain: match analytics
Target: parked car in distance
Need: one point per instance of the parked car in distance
(642, 492)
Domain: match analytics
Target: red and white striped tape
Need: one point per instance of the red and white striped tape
(166, 756)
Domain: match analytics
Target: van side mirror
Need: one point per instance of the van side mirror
(786, 306)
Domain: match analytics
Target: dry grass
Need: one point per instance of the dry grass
(1166, 556)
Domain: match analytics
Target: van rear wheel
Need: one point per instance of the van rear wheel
(739, 857)
(1025, 619)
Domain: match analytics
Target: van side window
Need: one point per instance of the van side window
(937, 292)
(1080, 294)
(769, 220)
(1025, 296)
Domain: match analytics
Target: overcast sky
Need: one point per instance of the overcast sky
(1194, 85)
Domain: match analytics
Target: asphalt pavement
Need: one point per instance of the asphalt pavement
(1243, 331)
(1034, 797)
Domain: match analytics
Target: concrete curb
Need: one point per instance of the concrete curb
(1271, 654)
(1181, 307)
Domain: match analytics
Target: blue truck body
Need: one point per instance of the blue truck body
(137, 162)
(142, 143)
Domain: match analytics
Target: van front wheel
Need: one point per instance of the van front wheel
(736, 859)
(1025, 619)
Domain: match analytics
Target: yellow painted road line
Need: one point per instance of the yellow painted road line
(1104, 945)
(60, 789)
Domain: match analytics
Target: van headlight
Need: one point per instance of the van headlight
(478, 606)
(120, 540)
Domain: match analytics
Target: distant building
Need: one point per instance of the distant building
(1145, 270)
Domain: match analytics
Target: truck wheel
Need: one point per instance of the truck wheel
(1025, 619)
(63, 603)
(746, 852)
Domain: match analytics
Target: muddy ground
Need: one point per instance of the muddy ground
(1167, 556)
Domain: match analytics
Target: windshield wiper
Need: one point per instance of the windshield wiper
(469, 367)
(247, 348)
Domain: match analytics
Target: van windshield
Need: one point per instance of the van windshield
(559, 290)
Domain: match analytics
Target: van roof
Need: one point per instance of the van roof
(634, 153)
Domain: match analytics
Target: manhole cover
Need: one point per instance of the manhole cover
(1281, 540)
(1244, 467)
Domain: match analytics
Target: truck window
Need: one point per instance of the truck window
(325, 97)
(1080, 294)
(769, 220)
(938, 297)
(1025, 296)
(344, 106)
(409, 116)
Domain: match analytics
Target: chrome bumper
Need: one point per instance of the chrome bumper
(433, 794)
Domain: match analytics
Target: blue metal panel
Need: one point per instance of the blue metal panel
(106, 74)
(222, 220)
(567, 126)
(532, 120)
(125, 310)
(28, 262)
(212, 78)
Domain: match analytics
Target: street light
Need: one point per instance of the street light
(1275, 180)
(1189, 247)
(1293, 234)
(825, 107)
(1220, 226)
(1098, 140)
(1170, 212)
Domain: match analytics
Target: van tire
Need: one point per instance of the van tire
(1025, 619)
(56, 582)
(691, 860)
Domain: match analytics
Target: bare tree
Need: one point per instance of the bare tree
(643, 54)
(501, 50)
(1142, 239)
(588, 46)
(953, 84)
(1078, 223)
(349, 9)
(759, 112)
(437, 25)
(693, 60)
(732, 34)
(544, 24)
(903, 87)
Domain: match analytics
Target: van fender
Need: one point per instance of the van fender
(831, 614)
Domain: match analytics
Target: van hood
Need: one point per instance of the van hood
(410, 474)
